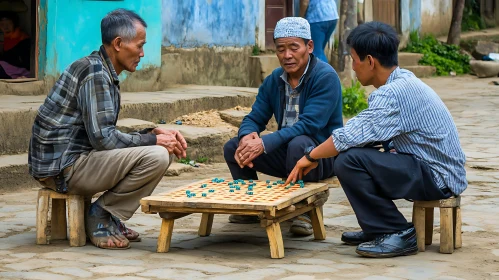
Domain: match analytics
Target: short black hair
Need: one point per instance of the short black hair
(120, 23)
(377, 39)
(12, 16)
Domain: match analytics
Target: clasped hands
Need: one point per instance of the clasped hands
(172, 140)
(249, 148)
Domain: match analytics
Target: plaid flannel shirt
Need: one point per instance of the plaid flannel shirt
(80, 115)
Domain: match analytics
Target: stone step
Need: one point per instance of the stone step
(17, 113)
(422, 71)
(235, 118)
(23, 89)
(409, 59)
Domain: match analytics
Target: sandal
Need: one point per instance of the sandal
(302, 226)
(130, 234)
(102, 231)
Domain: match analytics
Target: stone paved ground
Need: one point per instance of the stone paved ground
(242, 251)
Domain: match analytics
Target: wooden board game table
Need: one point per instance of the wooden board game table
(270, 201)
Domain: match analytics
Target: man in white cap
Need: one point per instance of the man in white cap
(304, 96)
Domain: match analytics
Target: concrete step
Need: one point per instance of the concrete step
(17, 113)
(422, 71)
(23, 89)
(235, 118)
(409, 59)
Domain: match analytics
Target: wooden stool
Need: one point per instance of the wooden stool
(58, 226)
(450, 223)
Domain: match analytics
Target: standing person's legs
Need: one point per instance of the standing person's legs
(371, 181)
(125, 176)
(318, 33)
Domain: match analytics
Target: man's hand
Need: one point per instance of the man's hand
(302, 168)
(242, 144)
(251, 150)
(181, 147)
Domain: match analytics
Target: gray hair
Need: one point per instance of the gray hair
(120, 23)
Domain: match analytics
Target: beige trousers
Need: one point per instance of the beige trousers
(124, 175)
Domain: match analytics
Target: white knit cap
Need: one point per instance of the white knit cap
(292, 27)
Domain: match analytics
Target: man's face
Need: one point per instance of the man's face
(363, 68)
(131, 52)
(6, 25)
(293, 54)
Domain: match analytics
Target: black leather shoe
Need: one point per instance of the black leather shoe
(356, 237)
(401, 243)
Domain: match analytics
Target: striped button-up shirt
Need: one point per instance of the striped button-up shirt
(79, 115)
(408, 112)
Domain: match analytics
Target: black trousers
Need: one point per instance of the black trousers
(279, 162)
(3, 74)
(372, 180)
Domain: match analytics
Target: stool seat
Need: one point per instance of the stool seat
(450, 223)
(58, 225)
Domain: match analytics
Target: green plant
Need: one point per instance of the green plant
(444, 57)
(188, 159)
(472, 20)
(256, 50)
(202, 159)
(354, 99)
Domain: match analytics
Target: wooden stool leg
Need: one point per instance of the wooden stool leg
(318, 223)
(58, 223)
(446, 231)
(275, 241)
(42, 213)
(458, 241)
(419, 224)
(429, 212)
(76, 218)
(165, 235)
(206, 224)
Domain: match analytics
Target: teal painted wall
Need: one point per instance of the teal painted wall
(195, 23)
(73, 30)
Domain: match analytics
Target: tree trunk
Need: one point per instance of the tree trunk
(455, 26)
(348, 21)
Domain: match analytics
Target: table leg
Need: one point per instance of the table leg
(275, 241)
(206, 224)
(318, 223)
(165, 235)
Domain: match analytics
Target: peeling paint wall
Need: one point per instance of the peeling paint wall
(196, 23)
(73, 31)
(436, 16)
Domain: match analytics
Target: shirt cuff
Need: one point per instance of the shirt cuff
(339, 140)
(146, 130)
(263, 144)
(147, 139)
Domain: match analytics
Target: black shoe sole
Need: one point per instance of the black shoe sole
(406, 252)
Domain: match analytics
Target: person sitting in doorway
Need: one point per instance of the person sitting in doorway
(15, 54)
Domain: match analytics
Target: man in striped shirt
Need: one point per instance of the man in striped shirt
(423, 159)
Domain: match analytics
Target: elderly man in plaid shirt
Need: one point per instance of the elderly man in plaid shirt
(75, 147)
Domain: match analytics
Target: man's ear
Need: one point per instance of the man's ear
(370, 59)
(117, 42)
(310, 46)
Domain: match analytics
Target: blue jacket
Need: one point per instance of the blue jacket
(320, 106)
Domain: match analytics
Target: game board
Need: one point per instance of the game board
(250, 194)
(271, 201)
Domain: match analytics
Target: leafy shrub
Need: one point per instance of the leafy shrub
(444, 57)
(354, 99)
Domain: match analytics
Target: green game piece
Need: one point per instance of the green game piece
(193, 194)
(212, 190)
(300, 181)
(238, 188)
(268, 181)
(292, 183)
(275, 183)
(203, 194)
(269, 187)
(187, 192)
(251, 181)
(231, 190)
(250, 188)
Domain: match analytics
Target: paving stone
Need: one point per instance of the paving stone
(495, 252)
(379, 277)
(347, 220)
(298, 277)
(254, 274)
(176, 169)
(115, 269)
(33, 275)
(303, 268)
(172, 274)
(123, 278)
(23, 255)
(315, 261)
(209, 268)
(74, 271)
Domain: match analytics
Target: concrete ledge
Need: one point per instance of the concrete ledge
(17, 113)
(409, 59)
(235, 118)
(422, 71)
(23, 89)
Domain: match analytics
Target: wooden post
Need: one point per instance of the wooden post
(42, 213)
(58, 223)
(76, 218)
(275, 241)
(206, 224)
(419, 224)
(454, 36)
(446, 231)
(165, 235)
(458, 241)
(318, 223)
(429, 212)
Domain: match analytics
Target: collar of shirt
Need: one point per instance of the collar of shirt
(284, 75)
(393, 75)
(109, 65)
